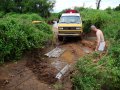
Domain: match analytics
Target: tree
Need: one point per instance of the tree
(7, 5)
(42, 7)
(117, 8)
(98, 3)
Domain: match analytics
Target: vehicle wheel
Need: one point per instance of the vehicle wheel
(60, 38)
(80, 37)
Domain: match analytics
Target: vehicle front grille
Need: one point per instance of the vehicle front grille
(69, 28)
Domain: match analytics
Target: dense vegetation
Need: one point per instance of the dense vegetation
(104, 75)
(18, 33)
(42, 7)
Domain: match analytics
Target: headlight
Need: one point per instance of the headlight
(78, 28)
(60, 28)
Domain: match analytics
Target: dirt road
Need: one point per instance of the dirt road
(37, 72)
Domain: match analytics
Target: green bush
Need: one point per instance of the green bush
(97, 76)
(104, 75)
(1, 14)
(17, 33)
(111, 28)
(94, 17)
(114, 51)
(53, 17)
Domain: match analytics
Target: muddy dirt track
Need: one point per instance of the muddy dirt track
(37, 72)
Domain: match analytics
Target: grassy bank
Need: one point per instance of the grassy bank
(18, 33)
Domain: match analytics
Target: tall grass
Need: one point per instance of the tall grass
(104, 75)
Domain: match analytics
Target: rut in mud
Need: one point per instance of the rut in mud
(44, 67)
(38, 71)
(41, 68)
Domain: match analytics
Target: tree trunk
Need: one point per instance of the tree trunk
(98, 4)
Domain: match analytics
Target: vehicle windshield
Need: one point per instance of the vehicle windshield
(69, 19)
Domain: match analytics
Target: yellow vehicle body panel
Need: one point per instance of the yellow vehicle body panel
(69, 25)
(35, 22)
(67, 32)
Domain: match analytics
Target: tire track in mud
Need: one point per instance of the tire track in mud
(38, 71)
(45, 71)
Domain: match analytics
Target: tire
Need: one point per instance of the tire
(60, 38)
(80, 37)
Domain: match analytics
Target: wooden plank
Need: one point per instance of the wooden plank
(63, 71)
(55, 52)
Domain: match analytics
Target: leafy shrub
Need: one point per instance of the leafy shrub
(53, 17)
(1, 14)
(96, 76)
(17, 33)
(109, 10)
(94, 17)
(118, 35)
(104, 75)
(111, 28)
(114, 51)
